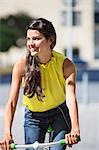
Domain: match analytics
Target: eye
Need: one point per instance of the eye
(33, 38)
(36, 38)
(27, 38)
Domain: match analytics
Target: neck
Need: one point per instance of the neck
(44, 58)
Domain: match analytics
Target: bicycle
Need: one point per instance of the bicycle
(41, 146)
(38, 146)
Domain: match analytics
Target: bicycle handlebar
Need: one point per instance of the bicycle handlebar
(37, 145)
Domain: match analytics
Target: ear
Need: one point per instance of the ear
(50, 41)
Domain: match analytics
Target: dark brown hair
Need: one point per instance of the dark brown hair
(32, 70)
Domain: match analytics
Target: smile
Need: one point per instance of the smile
(34, 51)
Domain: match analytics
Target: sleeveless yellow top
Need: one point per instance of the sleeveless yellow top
(53, 85)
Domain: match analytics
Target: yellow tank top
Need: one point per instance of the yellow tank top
(53, 85)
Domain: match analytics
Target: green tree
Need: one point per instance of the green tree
(12, 30)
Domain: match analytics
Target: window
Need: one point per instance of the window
(97, 6)
(97, 1)
(76, 18)
(97, 43)
(75, 52)
(63, 18)
(96, 17)
(74, 2)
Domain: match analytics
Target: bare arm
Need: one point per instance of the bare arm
(12, 101)
(71, 102)
(11, 105)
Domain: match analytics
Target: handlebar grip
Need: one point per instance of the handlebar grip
(63, 141)
(13, 146)
(78, 139)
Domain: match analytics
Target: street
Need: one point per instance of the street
(89, 125)
(88, 119)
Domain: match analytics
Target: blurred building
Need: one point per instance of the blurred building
(82, 31)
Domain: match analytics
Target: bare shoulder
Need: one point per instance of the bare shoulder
(19, 67)
(68, 68)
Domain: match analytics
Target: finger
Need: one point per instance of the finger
(0, 142)
(74, 139)
(1, 146)
(4, 147)
(68, 139)
(7, 144)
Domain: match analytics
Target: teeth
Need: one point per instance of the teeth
(32, 49)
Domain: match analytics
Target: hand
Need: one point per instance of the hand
(5, 142)
(73, 137)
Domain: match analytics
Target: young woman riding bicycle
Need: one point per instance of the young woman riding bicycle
(48, 79)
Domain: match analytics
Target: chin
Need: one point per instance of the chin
(34, 53)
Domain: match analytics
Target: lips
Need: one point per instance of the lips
(34, 49)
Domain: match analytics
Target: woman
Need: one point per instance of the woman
(44, 74)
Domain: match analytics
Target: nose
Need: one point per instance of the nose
(31, 43)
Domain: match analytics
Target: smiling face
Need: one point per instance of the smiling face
(37, 43)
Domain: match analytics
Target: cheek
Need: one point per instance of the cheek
(43, 43)
(27, 43)
(39, 44)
